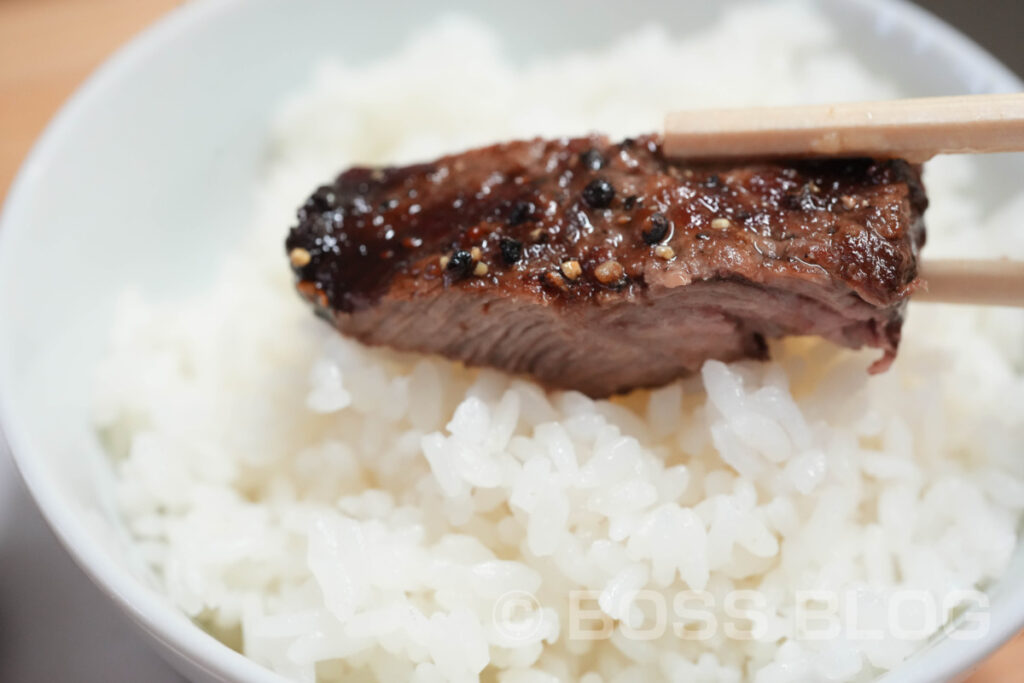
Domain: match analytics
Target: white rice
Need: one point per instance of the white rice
(333, 510)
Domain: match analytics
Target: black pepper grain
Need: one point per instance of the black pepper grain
(511, 250)
(592, 159)
(521, 212)
(657, 228)
(460, 264)
(598, 194)
(323, 199)
(629, 203)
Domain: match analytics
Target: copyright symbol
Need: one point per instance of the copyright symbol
(517, 617)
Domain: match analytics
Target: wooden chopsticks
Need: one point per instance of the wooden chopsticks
(999, 282)
(912, 129)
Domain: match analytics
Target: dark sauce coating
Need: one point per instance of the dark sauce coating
(839, 234)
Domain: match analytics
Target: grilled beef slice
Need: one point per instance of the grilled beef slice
(603, 267)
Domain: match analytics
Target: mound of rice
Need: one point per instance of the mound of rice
(337, 511)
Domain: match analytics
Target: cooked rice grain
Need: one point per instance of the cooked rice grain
(343, 511)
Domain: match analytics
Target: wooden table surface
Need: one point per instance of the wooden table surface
(47, 47)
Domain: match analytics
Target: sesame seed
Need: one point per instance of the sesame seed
(444, 261)
(848, 201)
(665, 252)
(312, 293)
(475, 253)
(609, 272)
(480, 270)
(299, 257)
(721, 224)
(555, 280)
(535, 235)
(571, 269)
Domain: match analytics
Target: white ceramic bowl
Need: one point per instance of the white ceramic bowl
(171, 131)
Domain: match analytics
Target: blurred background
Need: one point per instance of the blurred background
(54, 624)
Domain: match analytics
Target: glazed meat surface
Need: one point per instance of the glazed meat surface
(603, 267)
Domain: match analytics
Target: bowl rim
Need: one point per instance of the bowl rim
(156, 616)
